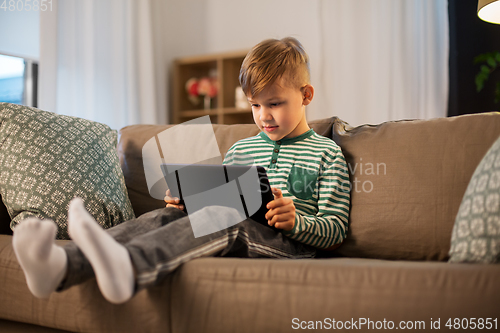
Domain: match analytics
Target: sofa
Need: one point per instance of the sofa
(392, 271)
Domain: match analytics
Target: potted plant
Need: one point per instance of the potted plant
(489, 63)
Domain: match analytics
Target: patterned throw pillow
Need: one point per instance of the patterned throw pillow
(476, 233)
(47, 159)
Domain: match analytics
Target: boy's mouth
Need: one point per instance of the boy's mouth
(270, 128)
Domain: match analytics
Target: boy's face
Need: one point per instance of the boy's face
(279, 110)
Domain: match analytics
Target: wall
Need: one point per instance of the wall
(211, 26)
(235, 25)
(240, 24)
(197, 27)
(179, 29)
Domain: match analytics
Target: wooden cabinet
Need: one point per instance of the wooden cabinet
(225, 67)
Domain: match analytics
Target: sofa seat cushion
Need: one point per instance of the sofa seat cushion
(219, 294)
(47, 159)
(408, 180)
(274, 295)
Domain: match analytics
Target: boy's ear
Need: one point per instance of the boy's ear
(307, 94)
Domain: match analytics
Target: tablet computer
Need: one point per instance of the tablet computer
(245, 188)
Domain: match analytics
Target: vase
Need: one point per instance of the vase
(207, 102)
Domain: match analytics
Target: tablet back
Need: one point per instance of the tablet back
(244, 188)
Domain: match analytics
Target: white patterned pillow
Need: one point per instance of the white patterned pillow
(47, 159)
(476, 233)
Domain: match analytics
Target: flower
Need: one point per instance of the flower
(192, 86)
(205, 86)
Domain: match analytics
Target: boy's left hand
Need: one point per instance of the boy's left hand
(281, 212)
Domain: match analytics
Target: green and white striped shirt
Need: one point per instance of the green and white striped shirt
(311, 170)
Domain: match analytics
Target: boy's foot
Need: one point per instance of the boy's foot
(43, 262)
(109, 259)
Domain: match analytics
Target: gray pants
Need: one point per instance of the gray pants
(160, 241)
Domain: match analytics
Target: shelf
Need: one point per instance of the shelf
(213, 112)
(237, 110)
(198, 113)
(225, 67)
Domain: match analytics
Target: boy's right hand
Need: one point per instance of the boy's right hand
(172, 201)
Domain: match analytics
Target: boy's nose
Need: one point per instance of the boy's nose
(265, 114)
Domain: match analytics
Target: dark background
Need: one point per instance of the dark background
(469, 37)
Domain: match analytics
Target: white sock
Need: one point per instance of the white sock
(43, 262)
(109, 259)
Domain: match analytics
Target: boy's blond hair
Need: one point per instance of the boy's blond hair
(271, 60)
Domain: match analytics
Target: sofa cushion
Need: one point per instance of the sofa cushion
(47, 159)
(133, 138)
(476, 233)
(269, 295)
(408, 180)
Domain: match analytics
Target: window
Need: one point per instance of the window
(18, 80)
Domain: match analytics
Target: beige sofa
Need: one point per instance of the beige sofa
(408, 181)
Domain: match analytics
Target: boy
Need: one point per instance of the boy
(307, 173)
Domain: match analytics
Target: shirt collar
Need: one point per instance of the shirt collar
(288, 141)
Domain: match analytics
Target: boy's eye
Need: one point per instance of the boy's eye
(255, 105)
(275, 104)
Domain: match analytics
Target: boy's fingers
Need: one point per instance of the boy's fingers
(278, 221)
(275, 211)
(277, 192)
(279, 225)
(181, 207)
(272, 222)
(283, 225)
(279, 202)
(171, 199)
(275, 203)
